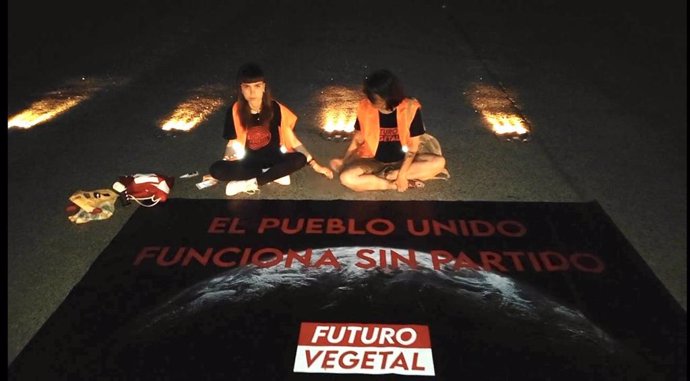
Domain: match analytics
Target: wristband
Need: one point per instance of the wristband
(310, 161)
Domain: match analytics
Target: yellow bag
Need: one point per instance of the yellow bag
(93, 205)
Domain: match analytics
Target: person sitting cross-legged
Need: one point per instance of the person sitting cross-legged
(384, 152)
(262, 146)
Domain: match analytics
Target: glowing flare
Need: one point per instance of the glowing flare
(57, 102)
(338, 108)
(503, 124)
(44, 110)
(192, 112)
(338, 120)
(499, 111)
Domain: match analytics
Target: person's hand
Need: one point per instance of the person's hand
(322, 170)
(401, 183)
(336, 164)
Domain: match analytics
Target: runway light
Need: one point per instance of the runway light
(204, 102)
(338, 112)
(500, 112)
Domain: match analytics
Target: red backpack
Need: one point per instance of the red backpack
(146, 189)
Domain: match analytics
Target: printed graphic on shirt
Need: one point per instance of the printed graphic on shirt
(364, 349)
(389, 135)
(258, 137)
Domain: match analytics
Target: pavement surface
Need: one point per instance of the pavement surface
(603, 86)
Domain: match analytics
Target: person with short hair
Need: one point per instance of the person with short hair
(384, 152)
(262, 146)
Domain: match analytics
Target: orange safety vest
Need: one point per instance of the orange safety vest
(287, 123)
(370, 128)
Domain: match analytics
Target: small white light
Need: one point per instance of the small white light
(405, 149)
(239, 150)
(283, 149)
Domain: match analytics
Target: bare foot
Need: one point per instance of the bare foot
(336, 164)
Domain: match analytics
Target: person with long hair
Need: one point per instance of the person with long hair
(383, 154)
(262, 146)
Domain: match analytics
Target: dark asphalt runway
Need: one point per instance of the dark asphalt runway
(603, 85)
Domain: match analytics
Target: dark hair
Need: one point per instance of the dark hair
(249, 73)
(386, 85)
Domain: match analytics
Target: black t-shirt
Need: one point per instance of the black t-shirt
(390, 149)
(260, 138)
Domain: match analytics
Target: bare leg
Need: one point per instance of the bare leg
(424, 167)
(357, 179)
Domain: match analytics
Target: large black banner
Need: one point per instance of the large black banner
(280, 290)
